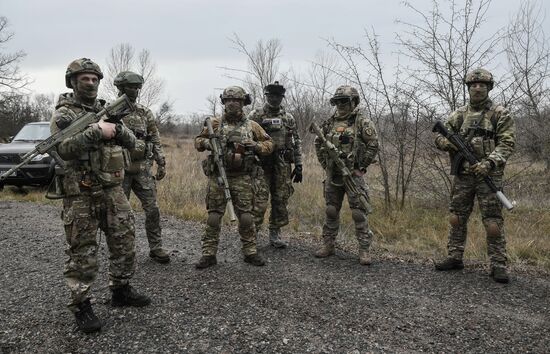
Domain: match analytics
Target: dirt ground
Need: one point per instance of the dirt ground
(295, 304)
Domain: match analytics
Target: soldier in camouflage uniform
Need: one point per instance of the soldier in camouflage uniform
(138, 176)
(355, 136)
(277, 167)
(490, 130)
(93, 197)
(242, 140)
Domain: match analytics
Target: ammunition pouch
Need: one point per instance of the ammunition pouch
(110, 169)
(55, 189)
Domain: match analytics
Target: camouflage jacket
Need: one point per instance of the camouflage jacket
(245, 132)
(355, 136)
(90, 160)
(281, 127)
(492, 131)
(142, 123)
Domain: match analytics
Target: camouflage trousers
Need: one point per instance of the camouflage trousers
(242, 195)
(109, 210)
(334, 196)
(465, 189)
(144, 186)
(274, 181)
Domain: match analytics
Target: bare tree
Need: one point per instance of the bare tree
(122, 58)
(214, 105)
(262, 66)
(11, 77)
(527, 49)
(444, 47)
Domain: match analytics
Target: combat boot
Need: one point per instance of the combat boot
(86, 320)
(500, 275)
(206, 261)
(275, 239)
(128, 296)
(449, 264)
(254, 259)
(325, 251)
(364, 257)
(159, 255)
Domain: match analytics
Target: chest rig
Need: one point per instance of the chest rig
(240, 158)
(279, 128)
(137, 123)
(479, 129)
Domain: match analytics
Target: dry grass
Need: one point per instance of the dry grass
(418, 231)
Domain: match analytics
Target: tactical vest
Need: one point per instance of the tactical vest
(142, 152)
(102, 166)
(239, 159)
(281, 130)
(344, 135)
(479, 128)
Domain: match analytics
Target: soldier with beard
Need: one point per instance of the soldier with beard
(490, 130)
(93, 197)
(277, 167)
(242, 140)
(138, 176)
(355, 137)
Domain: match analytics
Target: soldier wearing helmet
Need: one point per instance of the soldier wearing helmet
(278, 174)
(139, 175)
(93, 197)
(354, 134)
(242, 140)
(490, 130)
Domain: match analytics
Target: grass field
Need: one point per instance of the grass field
(419, 230)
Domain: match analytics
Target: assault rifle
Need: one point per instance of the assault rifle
(115, 111)
(347, 176)
(465, 153)
(217, 155)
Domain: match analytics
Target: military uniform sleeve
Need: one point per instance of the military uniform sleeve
(296, 141)
(73, 147)
(154, 136)
(369, 137)
(452, 126)
(265, 145)
(202, 140)
(505, 140)
(320, 151)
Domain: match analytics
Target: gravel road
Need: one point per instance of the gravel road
(296, 304)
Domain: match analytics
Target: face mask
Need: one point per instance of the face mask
(86, 89)
(478, 93)
(131, 92)
(274, 101)
(343, 107)
(234, 109)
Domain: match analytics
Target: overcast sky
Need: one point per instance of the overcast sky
(188, 39)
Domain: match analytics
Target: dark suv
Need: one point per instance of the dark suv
(40, 170)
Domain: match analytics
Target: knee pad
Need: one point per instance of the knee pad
(332, 212)
(493, 229)
(358, 215)
(454, 220)
(245, 221)
(214, 220)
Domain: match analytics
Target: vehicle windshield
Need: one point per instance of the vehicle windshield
(33, 132)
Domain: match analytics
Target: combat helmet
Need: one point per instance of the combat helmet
(275, 89)
(128, 78)
(82, 65)
(345, 91)
(480, 75)
(235, 92)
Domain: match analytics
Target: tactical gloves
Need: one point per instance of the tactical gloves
(161, 172)
(482, 168)
(444, 144)
(296, 174)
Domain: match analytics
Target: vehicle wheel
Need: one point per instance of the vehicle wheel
(1, 187)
